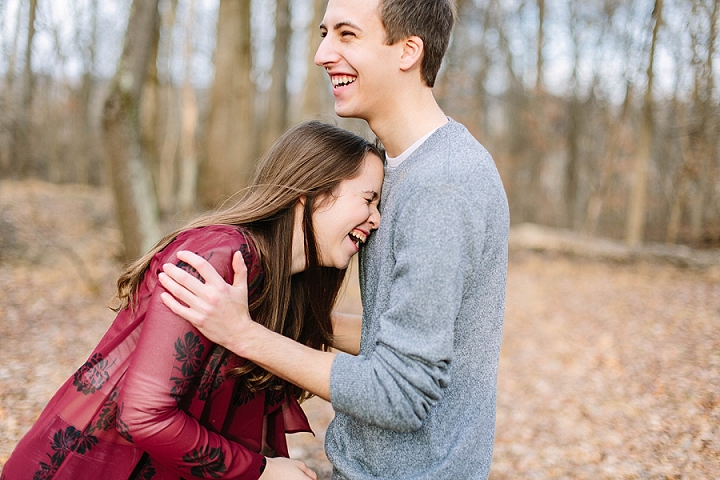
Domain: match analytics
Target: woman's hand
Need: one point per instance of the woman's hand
(220, 311)
(281, 468)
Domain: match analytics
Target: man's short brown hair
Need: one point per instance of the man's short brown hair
(431, 20)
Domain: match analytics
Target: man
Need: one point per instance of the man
(418, 401)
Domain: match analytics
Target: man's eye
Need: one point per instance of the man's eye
(347, 34)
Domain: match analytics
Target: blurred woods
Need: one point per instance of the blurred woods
(603, 116)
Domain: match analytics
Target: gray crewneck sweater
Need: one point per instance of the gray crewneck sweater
(419, 400)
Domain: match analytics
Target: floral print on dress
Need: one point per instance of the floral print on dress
(190, 269)
(274, 396)
(63, 443)
(213, 375)
(144, 469)
(92, 375)
(210, 462)
(107, 419)
(121, 427)
(241, 395)
(188, 351)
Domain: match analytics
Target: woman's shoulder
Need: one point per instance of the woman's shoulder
(217, 244)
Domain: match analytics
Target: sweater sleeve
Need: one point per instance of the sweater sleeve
(396, 384)
(165, 366)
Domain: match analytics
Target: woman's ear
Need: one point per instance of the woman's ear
(413, 49)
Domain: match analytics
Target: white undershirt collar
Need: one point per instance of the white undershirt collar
(394, 162)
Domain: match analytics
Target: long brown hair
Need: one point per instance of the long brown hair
(309, 161)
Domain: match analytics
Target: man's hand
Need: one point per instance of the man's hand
(220, 311)
(281, 468)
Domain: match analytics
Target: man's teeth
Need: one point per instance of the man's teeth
(342, 80)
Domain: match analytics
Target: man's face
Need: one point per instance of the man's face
(354, 54)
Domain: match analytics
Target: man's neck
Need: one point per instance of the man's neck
(407, 122)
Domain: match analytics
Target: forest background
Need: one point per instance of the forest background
(603, 117)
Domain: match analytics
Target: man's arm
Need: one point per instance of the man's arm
(220, 312)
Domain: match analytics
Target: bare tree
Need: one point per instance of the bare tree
(230, 140)
(168, 106)
(277, 114)
(638, 201)
(187, 184)
(21, 128)
(135, 199)
(90, 164)
(704, 100)
(540, 43)
(314, 92)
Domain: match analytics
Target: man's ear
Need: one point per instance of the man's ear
(413, 49)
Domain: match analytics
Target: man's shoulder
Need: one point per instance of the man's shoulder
(452, 154)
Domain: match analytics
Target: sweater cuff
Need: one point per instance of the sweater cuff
(343, 380)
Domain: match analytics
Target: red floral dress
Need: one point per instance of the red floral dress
(153, 400)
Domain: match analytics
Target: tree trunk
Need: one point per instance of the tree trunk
(708, 148)
(540, 42)
(171, 124)
(230, 140)
(135, 200)
(12, 58)
(187, 184)
(90, 167)
(683, 177)
(638, 200)
(23, 118)
(277, 118)
(601, 191)
(316, 88)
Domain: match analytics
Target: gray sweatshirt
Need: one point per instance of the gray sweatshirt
(419, 400)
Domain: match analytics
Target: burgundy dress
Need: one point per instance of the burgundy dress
(153, 400)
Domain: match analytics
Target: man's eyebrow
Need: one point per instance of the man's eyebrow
(340, 25)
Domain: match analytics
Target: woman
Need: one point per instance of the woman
(156, 399)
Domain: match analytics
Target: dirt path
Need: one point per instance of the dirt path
(607, 370)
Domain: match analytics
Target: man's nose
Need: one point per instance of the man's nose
(323, 53)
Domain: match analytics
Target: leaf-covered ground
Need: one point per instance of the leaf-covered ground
(607, 371)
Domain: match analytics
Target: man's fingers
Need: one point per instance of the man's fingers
(177, 308)
(181, 277)
(172, 284)
(240, 277)
(202, 266)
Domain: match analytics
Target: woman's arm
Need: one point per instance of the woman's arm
(347, 328)
(165, 366)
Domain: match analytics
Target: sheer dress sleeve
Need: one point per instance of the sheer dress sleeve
(165, 369)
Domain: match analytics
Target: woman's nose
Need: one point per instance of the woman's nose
(374, 219)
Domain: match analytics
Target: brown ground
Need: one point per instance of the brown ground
(607, 370)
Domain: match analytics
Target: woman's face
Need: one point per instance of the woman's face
(343, 222)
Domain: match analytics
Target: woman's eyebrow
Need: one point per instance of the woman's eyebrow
(372, 192)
